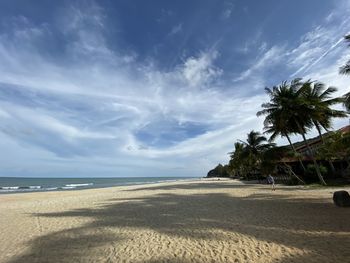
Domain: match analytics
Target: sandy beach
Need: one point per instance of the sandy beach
(184, 221)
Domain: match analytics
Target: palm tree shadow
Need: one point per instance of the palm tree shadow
(200, 185)
(72, 245)
(279, 219)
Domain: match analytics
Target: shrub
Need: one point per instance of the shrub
(292, 181)
(311, 170)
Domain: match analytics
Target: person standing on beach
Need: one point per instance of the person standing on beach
(271, 181)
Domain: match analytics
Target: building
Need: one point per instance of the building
(314, 143)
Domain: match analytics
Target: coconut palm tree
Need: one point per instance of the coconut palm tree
(347, 101)
(254, 148)
(271, 159)
(277, 121)
(237, 162)
(256, 143)
(318, 97)
(247, 156)
(319, 101)
(346, 71)
(346, 68)
(287, 103)
(279, 128)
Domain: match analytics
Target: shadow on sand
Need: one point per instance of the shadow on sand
(217, 184)
(273, 218)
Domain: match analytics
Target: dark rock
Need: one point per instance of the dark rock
(341, 198)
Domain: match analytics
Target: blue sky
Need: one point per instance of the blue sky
(151, 88)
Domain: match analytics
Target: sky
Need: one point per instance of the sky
(152, 88)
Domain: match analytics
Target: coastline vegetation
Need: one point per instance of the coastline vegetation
(295, 108)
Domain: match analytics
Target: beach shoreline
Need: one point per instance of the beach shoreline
(14, 185)
(190, 220)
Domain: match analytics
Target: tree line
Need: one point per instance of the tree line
(294, 108)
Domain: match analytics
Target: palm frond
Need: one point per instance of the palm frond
(345, 70)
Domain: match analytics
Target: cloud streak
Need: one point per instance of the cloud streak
(94, 107)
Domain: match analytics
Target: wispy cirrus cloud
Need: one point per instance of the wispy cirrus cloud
(323, 44)
(267, 60)
(315, 46)
(93, 106)
(92, 103)
(175, 29)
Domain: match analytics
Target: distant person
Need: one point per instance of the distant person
(271, 181)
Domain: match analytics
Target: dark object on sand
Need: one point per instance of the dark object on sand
(341, 198)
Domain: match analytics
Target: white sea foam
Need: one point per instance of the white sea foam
(10, 187)
(51, 188)
(35, 187)
(68, 187)
(78, 185)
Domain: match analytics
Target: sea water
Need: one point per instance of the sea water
(19, 184)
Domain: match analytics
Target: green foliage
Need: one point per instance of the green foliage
(248, 156)
(336, 146)
(286, 111)
(219, 171)
(311, 170)
(296, 107)
(346, 71)
(347, 101)
(319, 101)
(346, 68)
(270, 159)
(293, 181)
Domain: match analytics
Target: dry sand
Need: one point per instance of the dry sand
(185, 221)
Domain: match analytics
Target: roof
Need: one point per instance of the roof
(316, 140)
(299, 146)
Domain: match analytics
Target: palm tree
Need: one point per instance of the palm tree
(271, 159)
(320, 101)
(346, 71)
(247, 155)
(287, 103)
(237, 161)
(277, 121)
(337, 144)
(347, 101)
(256, 143)
(254, 148)
(279, 128)
(346, 68)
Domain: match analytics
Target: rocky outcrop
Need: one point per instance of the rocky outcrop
(219, 171)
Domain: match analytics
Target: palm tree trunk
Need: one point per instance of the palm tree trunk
(295, 151)
(322, 139)
(291, 173)
(347, 161)
(301, 130)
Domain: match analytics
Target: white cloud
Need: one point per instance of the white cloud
(200, 70)
(313, 49)
(226, 13)
(323, 42)
(84, 111)
(318, 56)
(85, 25)
(268, 59)
(176, 29)
(92, 109)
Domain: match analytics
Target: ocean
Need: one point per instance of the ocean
(19, 184)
